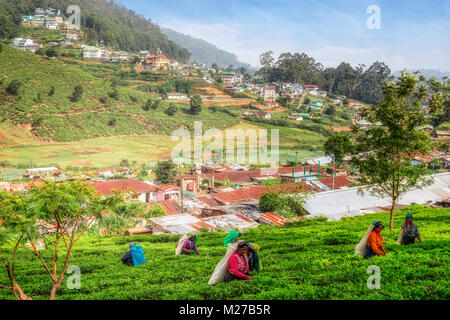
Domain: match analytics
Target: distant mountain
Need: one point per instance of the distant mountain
(203, 51)
(427, 73)
(101, 20)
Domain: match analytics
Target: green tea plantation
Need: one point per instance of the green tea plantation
(316, 255)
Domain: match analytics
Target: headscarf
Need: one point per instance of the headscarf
(409, 215)
(195, 241)
(230, 237)
(256, 248)
(241, 245)
(377, 224)
(132, 244)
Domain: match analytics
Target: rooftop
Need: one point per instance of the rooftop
(127, 185)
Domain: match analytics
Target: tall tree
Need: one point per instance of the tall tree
(337, 147)
(196, 104)
(71, 206)
(165, 171)
(385, 151)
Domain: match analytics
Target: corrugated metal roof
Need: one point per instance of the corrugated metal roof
(228, 222)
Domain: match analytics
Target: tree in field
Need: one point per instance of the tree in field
(165, 171)
(331, 111)
(70, 206)
(196, 104)
(172, 109)
(337, 147)
(52, 91)
(15, 87)
(77, 93)
(385, 151)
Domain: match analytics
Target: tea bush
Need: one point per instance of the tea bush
(319, 254)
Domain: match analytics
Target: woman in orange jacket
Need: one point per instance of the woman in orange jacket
(375, 241)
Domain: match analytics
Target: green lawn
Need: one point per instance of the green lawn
(319, 253)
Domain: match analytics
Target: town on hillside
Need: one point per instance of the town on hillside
(142, 163)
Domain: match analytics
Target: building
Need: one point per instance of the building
(50, 23)
(178, 224)
(71, 34)
(269, 92)
(167, 192)
(310, 87)
(299, 176)
(90, 52)
(155, 61)
(40, 172)
(228, 78)
(336, 204)
(25, 44)
(289, 92)
(176, 96)
(139, 190)
(271, 104)
(300, 114)
(296, 118)
(260, 114)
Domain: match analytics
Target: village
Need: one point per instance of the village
(213, 197)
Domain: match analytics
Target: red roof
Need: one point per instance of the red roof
(310, 86)
(170, 206)
(199, 225)
(274, 218)
(128, 185)
(339, 182)
(251, 193)
(168, 187)
(208, 200)
(236, 176)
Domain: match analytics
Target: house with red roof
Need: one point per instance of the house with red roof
(167, 192)
(141, 191)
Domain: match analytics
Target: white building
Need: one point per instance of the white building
(50, 23)
(92, 53)
(25, 44)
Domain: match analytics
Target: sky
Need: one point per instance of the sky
(412, 34)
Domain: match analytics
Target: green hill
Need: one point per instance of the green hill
(102, 20)
(103, 110)
(203, 51)
(318, 254)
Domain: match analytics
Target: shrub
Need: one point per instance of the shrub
(14, 87)
(196, 104)
(172, 110)
(77, 94)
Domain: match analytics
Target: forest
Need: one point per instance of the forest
(360, 83)
(105, 20)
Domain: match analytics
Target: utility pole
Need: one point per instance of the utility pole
(181, 187)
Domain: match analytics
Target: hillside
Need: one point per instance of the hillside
(427, 73)
(104, 109)
(318, 254)
(103, 20)
(203, 51)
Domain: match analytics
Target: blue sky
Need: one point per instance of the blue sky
(413, 34)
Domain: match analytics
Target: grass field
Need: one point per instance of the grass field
(18, 147)
(320, 254)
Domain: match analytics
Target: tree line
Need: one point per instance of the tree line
(364, 84)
